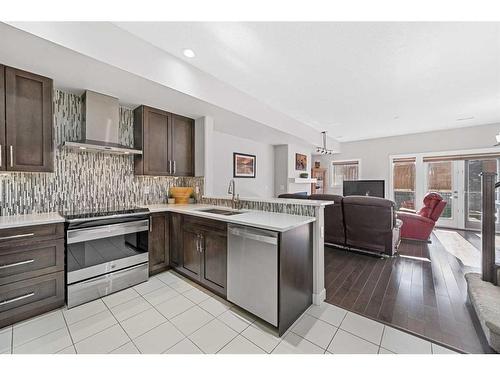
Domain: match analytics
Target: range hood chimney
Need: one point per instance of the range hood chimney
(100, 126)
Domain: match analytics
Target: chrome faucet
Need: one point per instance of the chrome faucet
(235, 201)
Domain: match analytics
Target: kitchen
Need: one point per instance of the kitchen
(67, 240)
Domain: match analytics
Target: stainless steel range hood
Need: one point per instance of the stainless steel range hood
(100, 126)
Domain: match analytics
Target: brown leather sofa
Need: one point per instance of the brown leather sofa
(361, 223)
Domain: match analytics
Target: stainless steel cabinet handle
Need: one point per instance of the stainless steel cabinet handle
(3, 266)
(17, 236)
(7, 301)
(11, 155)
(150, 224)
(0, 155)
(169, 167)
(201, 243)
(174, 166)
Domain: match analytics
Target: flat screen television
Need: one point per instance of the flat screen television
(372, 188)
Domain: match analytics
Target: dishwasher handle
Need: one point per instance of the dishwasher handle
(254, 234)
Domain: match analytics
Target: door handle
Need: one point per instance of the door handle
(174, 166)
(201, 243)
(170, 167)
(11, 155)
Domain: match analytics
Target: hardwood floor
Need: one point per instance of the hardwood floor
(422, 290)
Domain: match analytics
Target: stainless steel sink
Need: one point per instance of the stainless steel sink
(219, 211)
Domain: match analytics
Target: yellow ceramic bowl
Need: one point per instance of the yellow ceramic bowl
(181, 194)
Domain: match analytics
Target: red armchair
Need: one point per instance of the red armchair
(419, 225)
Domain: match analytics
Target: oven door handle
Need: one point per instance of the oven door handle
(105, 231)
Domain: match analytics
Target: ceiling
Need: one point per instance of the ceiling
(75, 72)
(355, 80)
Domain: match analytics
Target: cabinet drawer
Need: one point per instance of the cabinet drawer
(205, 224)
(24, 299)
(22, 262)
(20, 235)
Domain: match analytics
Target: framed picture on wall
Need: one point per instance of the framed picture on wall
(243, 165)
(300, 162)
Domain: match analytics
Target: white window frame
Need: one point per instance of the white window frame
(346, 161)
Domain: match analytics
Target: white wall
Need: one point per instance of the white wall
(374, 154)
(285, 168)
(223, 146)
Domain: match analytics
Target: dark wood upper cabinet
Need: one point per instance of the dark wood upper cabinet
(151, 133)
(2, 118)
(28, 143)
(181, 145)
(167, 142)
(159, 245)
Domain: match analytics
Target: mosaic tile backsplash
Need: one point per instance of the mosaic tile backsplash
(283, 208)
(85, 180)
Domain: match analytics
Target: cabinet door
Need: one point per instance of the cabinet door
(175, 239)
(214, 263)
(28, 113)
(158, 243)
(191, 255)
(2, 118)
(182, 146)
(155, 146)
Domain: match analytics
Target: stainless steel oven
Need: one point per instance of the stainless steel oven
(104, 255)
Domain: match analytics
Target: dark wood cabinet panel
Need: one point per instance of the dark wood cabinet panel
(214, 261)
(167, 142)
(151, 132)
(191, 255)
(30, 234)
(181, 146)
(23, 262)
(31, 297)
(28, 124)
(175, 239)
(2, 119)
(201, 248)
(295, 274)
(159, 245)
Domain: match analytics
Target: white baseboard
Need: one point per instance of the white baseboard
(318, 298)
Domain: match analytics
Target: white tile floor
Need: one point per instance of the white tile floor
(169, 314)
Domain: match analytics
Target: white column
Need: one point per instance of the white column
(204, 159)
(319, 292)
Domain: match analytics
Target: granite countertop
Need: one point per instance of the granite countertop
(260, 219)
(16, 221)
(303, 202)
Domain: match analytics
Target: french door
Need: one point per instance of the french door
(473, 208)
(446, 178)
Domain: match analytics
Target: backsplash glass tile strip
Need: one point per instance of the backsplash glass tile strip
(293, 209)
(84, 180)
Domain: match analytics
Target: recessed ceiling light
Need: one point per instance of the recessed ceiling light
(465, 118)
(396, 117)
(189, 53)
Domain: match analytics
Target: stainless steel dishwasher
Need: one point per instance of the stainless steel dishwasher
(252, 271)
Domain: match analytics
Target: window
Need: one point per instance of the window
(404, 183)
(344, 170)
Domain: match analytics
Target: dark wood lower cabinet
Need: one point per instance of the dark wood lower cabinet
(32, 272)
(198, 250)
(214, 261)
(201, 251)
(159, 243)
